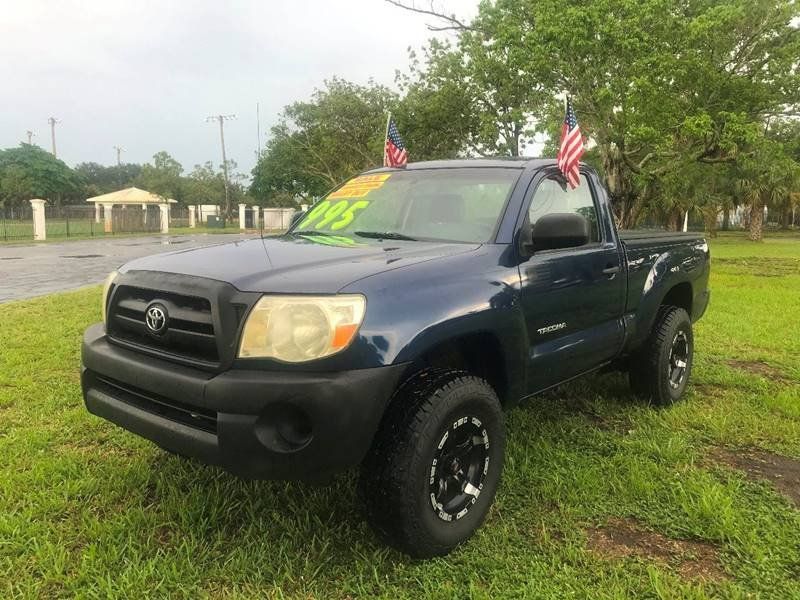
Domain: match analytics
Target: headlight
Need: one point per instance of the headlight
(107, 288)
(301, 328)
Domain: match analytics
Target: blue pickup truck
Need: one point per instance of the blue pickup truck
(390, 329)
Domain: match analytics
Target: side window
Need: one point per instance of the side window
(554, 196)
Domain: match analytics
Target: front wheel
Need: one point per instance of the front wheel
(661, 371)
(432, 472)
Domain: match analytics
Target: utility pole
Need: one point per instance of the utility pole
(30, 135)
(119, 150)
(221, 119)
(53, 121)
(258, 127)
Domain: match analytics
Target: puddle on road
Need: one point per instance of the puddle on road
(173, 242)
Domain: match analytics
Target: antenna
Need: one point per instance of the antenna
(258, 127)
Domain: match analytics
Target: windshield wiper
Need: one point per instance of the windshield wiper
(308, 232)
(386, 235)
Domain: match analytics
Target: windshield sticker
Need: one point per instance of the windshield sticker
(358, 187)
(335, 215)
(338, 215)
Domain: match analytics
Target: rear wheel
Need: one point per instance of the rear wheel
(661, 371)
(432, 472)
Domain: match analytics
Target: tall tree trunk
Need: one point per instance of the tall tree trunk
(710, 218)
(675, 220)
(785, 216)
(617, 181)
(756, 221)
(726, 219)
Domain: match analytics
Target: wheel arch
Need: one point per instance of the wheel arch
(492, 353)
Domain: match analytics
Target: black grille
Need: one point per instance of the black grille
(192, 416)
(190, 329)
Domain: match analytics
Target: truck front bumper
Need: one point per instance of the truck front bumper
(255, 424)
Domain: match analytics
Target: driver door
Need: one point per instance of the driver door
(572, 298)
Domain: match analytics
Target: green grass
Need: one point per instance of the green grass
(87, 509)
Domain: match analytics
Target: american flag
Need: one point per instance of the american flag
(394, 152)
(571, 148)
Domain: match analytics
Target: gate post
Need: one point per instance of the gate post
(96, 212)
(256, 216)
(192, 222)
(164, 217)
(39, 225)
(107, 214)
(241, 216)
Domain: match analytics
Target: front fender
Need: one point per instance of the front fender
(411, 311)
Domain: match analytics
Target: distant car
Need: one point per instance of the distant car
(390, 328)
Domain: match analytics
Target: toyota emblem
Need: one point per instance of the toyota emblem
(155, 318)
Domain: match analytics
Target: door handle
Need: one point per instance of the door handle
(611, 270)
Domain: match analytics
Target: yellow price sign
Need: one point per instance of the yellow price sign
(338, 215)
(358, 187)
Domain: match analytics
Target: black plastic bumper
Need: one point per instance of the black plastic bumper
(256, 424)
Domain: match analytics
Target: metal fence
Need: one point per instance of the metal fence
(71, 221)
(16, 223)
(179, 216)
(136, 219)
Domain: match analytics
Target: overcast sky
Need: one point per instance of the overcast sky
(145, 74)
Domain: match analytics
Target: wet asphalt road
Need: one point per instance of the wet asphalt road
(28, 270)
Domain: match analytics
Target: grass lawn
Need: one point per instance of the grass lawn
(602, 497)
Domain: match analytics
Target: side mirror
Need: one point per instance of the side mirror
(559, 230)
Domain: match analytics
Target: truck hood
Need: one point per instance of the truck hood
(296, 264)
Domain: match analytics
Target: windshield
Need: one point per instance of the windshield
(461, 205)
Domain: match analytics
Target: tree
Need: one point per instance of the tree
(656, 84)
(319, 143)
(204, 185)
(99, 179)
(163, 177)
(765, 177)
(29, 172)
(474, 97)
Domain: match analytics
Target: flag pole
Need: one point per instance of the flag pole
(386, 136)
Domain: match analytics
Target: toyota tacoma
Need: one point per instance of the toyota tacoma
(390, 328)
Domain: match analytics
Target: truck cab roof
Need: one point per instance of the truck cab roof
(516, 162)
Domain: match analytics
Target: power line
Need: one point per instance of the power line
(221, 119)
(53, 121)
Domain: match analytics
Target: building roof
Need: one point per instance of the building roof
(131, 195)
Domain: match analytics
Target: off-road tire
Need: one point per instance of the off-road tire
(652, 368)
(397, 475)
